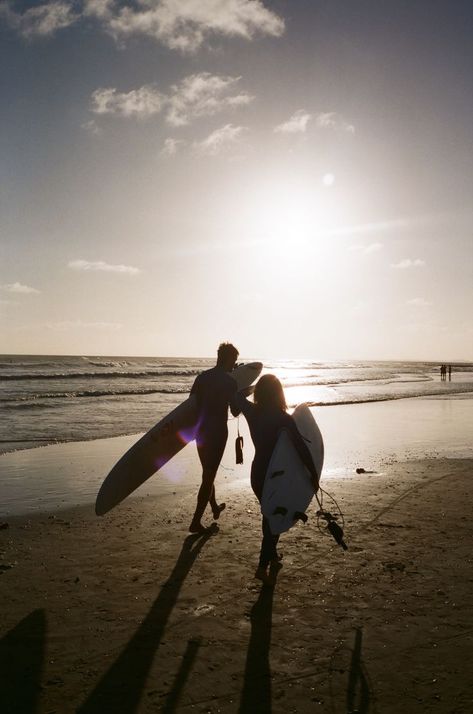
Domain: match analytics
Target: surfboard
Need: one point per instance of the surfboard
(287, 490)
(163, 441)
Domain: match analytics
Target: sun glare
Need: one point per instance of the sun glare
(328, 180)
(288, 215)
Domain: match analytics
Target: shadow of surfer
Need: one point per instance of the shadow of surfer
(22, 652)
(121, 687)
(256, 693)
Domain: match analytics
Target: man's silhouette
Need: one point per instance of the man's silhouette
(213, 389)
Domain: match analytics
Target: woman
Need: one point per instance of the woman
(266, 417)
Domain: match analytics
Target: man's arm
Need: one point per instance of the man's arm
(234, 402)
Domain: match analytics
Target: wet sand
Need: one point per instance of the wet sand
(128, 613)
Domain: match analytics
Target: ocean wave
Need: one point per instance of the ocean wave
(32, 399)
(34, 376)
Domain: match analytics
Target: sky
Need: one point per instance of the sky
(292, 176)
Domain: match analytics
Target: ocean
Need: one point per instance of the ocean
(46, 400)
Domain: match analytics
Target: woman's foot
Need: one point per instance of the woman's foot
(261, 573)
(265, 577)
(275, 566)
(217, 509)
(197, 527)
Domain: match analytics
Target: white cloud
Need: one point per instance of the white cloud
(41, 21)
(367, 249)
(92, 127)
(408, 263)
(197, 95)
(296, 124)
(332, 120)
(65, 325)
(142, 103)
(101, 266)
(98, 8)
(171, 146)
(418, 302)
(19, 288)
(378, 227)
(219, 140)
(185, 24)
(203, 94)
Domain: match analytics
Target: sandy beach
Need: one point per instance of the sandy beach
(128, 613)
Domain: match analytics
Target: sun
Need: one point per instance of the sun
(328, 180)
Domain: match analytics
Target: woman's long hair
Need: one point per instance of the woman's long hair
(269, 393)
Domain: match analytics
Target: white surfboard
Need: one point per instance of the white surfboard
(159, 445)
(287, 490)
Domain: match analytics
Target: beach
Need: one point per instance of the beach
(128, 613)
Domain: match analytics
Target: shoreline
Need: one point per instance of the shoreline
(313, 405)
(129, 613)
(369, 436)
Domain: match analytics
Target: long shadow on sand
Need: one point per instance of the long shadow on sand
(21, 664)
(358, 691)
(256, 693)
(121, 687)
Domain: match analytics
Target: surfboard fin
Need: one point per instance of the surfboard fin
(301, 516)
(280, 511)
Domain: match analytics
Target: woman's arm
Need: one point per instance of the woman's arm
(239, 403)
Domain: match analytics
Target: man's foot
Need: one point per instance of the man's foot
(261, 573)
(217, 510)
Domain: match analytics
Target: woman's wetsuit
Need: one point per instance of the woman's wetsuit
(265, 426)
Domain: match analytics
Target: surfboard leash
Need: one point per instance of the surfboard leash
(332, 526)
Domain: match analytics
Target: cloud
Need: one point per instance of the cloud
(185, 25)
(19, 288)
(408, 263)
(171, 146)
(91, 127)
(141, 103)
(367, 249)
(100, 266)
(203, 94)
(220, 140)
(80, 324)
(102, 9)
(378, 227)
(332, 120)
(197, 95)
(296, 124)
(42, 21)
(418, 302)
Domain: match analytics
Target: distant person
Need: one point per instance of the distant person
(449, 372)
(214, 390)
(266, 417)
(442, 372)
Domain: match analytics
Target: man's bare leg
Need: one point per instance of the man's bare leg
(206, 493)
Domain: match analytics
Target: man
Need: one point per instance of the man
(214, 390)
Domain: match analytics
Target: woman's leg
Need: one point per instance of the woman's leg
(268, 551)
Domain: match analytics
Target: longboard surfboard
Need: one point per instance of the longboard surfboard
(159, 445)
(287, 490)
